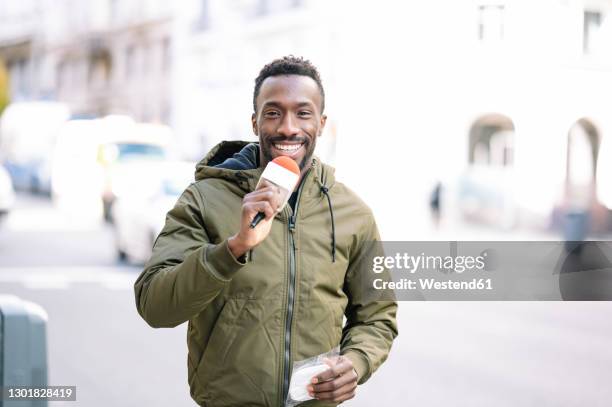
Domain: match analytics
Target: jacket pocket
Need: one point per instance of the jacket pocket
(222, 337)
(336, 310)
(240, 363)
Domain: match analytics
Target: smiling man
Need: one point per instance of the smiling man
(259, 299)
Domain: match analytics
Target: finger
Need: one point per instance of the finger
(272, 194)
(332, 385)
(339, 393)
(263, 183)
(336, 370)
(332, 360)
(268, 197)
(345, 397)
(252, 208)
(266, 193)
(265, 186)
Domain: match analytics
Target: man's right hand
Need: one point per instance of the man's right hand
(266, 199)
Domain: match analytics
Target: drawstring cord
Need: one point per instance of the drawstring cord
(325, 191)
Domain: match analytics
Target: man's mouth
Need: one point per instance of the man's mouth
(288, 149)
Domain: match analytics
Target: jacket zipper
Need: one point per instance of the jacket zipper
(290, 294)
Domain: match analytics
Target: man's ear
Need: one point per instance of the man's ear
(254, 123)
(323, 121)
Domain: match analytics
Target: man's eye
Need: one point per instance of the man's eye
(304, 113)
(271, 114)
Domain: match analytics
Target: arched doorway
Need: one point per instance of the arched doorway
(580, 178)
(580, 195)
(100, 66)
(492, 141)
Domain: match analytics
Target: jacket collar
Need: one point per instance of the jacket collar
(319, 175)
(231, 160)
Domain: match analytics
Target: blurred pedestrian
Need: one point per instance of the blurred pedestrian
(435, 203)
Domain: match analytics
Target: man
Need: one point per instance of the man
(259, 299)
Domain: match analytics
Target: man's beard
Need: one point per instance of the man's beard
(266, 148)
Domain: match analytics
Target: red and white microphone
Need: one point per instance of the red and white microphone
(284, 173)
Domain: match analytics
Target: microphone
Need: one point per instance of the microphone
(282, 172)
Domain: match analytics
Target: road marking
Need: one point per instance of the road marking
(62, 278)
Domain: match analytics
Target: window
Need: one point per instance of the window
(490, 23)
(59, 75)
(203, 19)
(147, 62)
(166, 55)
(262, 8)
(133, 151)
(22, 82)
(114, 10)
(267, 7)
(129, 61)
(591, 31)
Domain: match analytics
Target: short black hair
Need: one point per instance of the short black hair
(288, 65)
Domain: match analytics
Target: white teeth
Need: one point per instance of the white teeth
(283, 147)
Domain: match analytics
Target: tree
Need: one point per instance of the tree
(4, 86)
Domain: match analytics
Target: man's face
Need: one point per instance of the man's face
(288, 119)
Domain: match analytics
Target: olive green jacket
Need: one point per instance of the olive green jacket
(250, 320)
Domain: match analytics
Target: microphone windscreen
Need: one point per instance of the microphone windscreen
(282, 171)
(287, 163)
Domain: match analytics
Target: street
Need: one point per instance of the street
(96, 339)
(447, 353)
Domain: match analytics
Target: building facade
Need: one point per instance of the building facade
(99, 57)
(505, 101)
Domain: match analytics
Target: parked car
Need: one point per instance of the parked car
(7, 194)
(90, 155)
(125, 143)
(28, 131)
(146, 192)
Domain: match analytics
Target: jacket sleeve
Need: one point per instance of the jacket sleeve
(371, 323)
(186, 271)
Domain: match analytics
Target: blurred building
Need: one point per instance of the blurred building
(98, 56)
(190, 64)
(505, 101)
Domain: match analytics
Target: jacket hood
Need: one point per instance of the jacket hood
(233, 155)
(235, 161)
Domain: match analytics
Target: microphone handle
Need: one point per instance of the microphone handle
(258, 218)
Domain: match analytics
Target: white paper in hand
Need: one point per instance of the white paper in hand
(304, 371)
(301, 378)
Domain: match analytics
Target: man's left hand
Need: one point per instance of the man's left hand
(337, 384)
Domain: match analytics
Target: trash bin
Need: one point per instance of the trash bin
(23, 348)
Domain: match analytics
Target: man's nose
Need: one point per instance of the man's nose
(288, 126)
